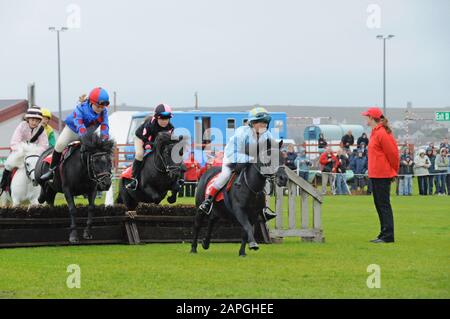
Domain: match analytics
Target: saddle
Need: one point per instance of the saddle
(67, 152)
(221, 194)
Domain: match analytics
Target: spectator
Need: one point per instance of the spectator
(431, 170)
(421, 165)
(445, 144)
(341, 169)
(359, 167)
(362, 140)
(406, 173)
(289, 161)
(328, 162)
(441, 167)
(347, 140)
(303, 164)
(322, 143)
(191, 175)
(448, 176)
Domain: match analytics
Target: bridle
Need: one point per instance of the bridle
(267, 176)
(29, 172)
(170, 169)
(100, 178)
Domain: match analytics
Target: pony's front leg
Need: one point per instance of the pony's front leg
(87, 234)
(243, 243)
(211, 222)
(73, 238)
(197, 225)
(242, 218)
(153, 195)
(176, 187)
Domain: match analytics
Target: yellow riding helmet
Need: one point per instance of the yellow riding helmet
(46, 113)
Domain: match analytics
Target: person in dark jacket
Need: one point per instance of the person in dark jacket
(289, 161)
(322, 143)
(341, 169)
(431, 177)
(406, 173)
(362, 140)
(145, 137)
(359, 167)
(347, 140)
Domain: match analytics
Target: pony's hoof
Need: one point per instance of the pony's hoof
(171, 200)
(242, 255)
(205, 245)
(87, 235)
(253, 245)
(193, 250)
(73, 239)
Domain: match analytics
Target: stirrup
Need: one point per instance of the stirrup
(204, 209)
(269, 213)
(135, 187)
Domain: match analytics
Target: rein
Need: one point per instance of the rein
(88, 160)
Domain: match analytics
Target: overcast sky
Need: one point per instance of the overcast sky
(233, 52)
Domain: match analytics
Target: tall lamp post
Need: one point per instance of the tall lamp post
(384, 38)
(58, 30)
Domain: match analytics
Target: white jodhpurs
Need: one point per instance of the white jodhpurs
(66, 137)
(138, 149)
(223, 177)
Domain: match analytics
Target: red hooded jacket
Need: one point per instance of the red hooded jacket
(383, 156)
(324, 161)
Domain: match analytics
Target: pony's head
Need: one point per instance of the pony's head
(27, 155)
(271, 163)
(170, 149)
(99, 160)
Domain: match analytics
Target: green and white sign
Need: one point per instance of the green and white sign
(442, 116)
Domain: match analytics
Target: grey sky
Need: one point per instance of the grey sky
(233, 52)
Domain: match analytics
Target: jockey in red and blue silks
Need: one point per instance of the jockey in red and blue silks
(146, 134)
(89, 114)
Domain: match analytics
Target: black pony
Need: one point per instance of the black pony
(245, 196)
(162, 170)
(85, 169)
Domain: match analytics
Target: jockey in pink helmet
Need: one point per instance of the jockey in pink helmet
(145, 136)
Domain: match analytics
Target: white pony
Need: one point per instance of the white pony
(24, 187)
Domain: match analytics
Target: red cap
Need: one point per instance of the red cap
(374, 112)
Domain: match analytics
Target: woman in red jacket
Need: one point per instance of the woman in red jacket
(383, 165)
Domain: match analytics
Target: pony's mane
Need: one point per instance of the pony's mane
(94, 143)
(23, 150)
(163, 138)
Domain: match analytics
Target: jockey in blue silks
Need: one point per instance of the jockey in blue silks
(89, 114)
(255, 132)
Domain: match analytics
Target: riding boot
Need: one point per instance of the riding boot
(56, 158)
(205, 207)
(5, 177)
(137, 167)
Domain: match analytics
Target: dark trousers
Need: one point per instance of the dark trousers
(190, 189)
(423, 185)
(381, 189)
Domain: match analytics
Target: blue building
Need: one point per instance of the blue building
(207, 131)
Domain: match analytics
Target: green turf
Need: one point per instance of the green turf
(416, 266)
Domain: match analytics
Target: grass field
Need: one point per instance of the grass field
(416, 266)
